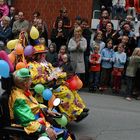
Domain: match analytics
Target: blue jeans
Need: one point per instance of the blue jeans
(94, 79)
(118, 11)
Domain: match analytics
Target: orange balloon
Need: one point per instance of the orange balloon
(20, 65)
(50, 102)
(12, 57)
(19, 49)
(79, 82)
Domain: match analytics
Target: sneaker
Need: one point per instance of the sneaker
(81, 116)
(128, 99)
(86, 110)
(101, 88)
(136, 20)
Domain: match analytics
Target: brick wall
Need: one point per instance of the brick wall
(49, 9)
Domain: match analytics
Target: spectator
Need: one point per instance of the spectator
(95, 60)
(42, 28)
(118, 9)
(64, 17)
(59, 35)
(127, 31)
(102, 24)
(107, 57)
(119, 60)
(4, 9)
(51, 55)
(106, 5)
(87, 32)
(77, 46)
(62, 51)
(5, 30)
(97, 41)
(67, 66)
(130, 7)
(131, 73)
(20, 25)
(36, 17)
(109, 31)
(12, 14)
(77, 23)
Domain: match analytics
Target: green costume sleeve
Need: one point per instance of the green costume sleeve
(22, 113)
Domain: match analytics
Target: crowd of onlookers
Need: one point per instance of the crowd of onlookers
(101, 58)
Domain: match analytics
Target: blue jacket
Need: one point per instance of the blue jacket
(107, 57)
(119, 59)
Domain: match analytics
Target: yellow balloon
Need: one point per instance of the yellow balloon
(34, 33)
(12, 43)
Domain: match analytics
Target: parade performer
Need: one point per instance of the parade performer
(26, 111)
(43, 72)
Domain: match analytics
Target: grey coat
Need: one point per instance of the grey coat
(77, 54)
(133, 66)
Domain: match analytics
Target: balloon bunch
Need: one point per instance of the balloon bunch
(74, 83)
(47, 95)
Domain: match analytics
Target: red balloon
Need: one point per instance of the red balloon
(72, 84)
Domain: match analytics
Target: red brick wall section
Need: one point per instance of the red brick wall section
(49, 9)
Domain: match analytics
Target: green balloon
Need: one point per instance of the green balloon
(61, 138)
(62, 121)
(39, 88)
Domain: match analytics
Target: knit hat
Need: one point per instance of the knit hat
(23, 73)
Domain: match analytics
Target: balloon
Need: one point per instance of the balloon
(61, 138)
(28, 50)
(4, 56)
(43, 138)
(19, 49)
(20, 65)
(62, 121)
(39, 88)
(79, 82)
(72, 84)
(4, 69)
(12, 57)
(50, 102)
(12, 43)
(56, 102)
(34, 34)
(47, 94)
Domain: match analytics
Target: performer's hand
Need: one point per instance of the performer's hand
(51, 133)
(52, 113)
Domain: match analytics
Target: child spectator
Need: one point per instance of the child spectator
(62, 51)
(130, 7)
(95, 59)
(67, 66)
(97, 41)
(119, 59)
(107, 56)
(51, 55)
(131, 72)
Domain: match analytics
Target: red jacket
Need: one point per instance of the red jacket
(131, 3)
(95, 60)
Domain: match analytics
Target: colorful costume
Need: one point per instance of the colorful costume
(71, 104)
(23, 110)
(27, 112)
